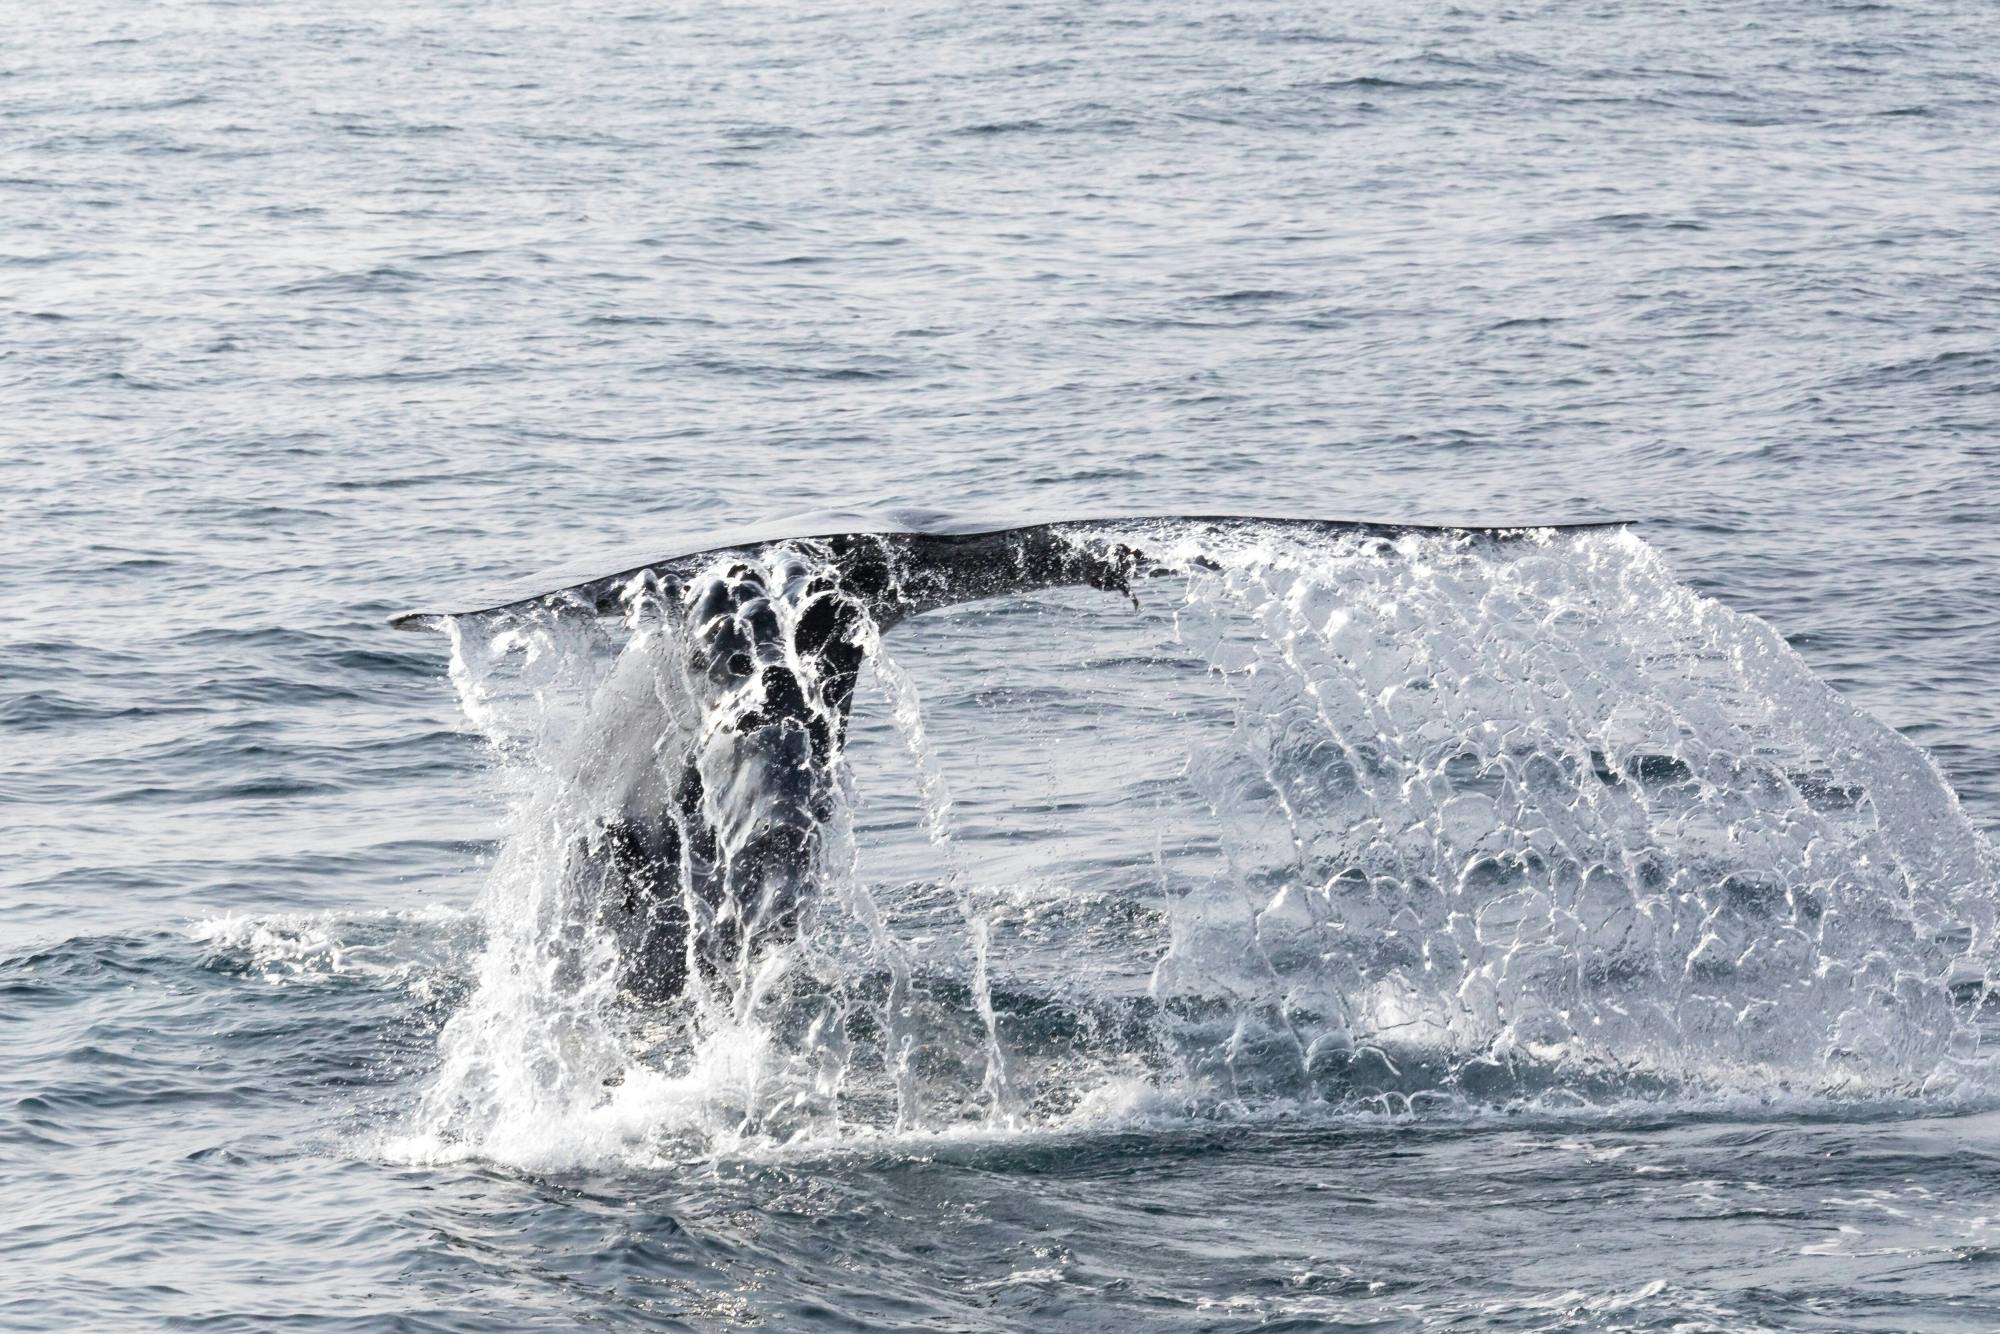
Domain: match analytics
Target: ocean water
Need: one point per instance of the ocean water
(1594, 931)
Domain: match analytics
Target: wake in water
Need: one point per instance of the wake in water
(1330, 823)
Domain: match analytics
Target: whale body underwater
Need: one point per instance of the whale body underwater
(713, 744)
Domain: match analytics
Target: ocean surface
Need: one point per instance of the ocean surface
(1589, 931)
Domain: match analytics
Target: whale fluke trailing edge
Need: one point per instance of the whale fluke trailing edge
(945, 559)
(704, 836)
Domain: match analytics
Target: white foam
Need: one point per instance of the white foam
(1524, 829)
(295, 947)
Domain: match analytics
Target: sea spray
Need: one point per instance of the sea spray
(1545, 818)
(1346, 824)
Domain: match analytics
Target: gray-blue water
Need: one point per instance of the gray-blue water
(1369, 938)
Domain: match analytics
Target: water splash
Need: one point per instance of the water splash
(407, 946)
(1334, 824)
(1553, 820)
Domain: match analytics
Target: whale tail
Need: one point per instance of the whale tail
(717, 735)
(905, 562)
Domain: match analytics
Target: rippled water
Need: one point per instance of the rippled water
(312, 316)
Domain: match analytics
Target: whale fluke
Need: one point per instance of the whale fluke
(909, 561)
(716, 736)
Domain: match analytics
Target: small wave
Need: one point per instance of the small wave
(1642, 222)
(382, 278)
(428, 375)
(162, 104)
(1250, 296)
(989, 129)
(1367, 81)
(881, 371)
(1962, 370)
(399, 946)
(650, 321)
